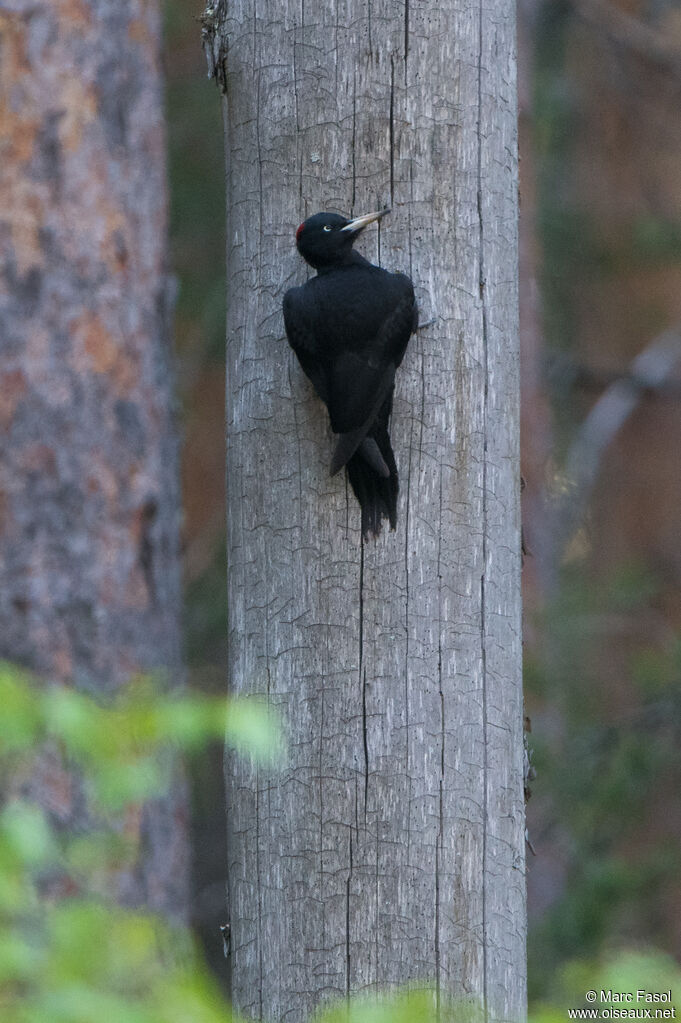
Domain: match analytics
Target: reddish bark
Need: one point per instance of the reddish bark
(88, 484)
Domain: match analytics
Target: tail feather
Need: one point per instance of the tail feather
(376, 492)
(371, 453)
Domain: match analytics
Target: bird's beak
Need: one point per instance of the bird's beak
(359, 223)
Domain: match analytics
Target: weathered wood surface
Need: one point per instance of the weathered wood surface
(89, 503)
(390, 848)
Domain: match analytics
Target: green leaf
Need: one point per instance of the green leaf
(411, 1006)
(116, 785)
(19, 960)
(24, 829)
(191, 722)
(82, 1004)
(21, 721)
(253, 727)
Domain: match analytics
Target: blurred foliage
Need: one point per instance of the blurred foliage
(417, 1006)
(73, 959)
(624, 974)
(120, 744)
(607, 760)
(68, 954)
(82, 958)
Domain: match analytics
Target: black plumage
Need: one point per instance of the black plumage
(350, 326)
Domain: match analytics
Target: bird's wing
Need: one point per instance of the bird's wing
(358, 384)
(403, 320)
(349, 440)
(361, 376)
(302, 340)
(354, 381)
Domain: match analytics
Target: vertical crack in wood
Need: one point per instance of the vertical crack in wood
(406, 596)
(440, 836)
(296, 83)
(320, 774)
(422, 415)
(366, 742)
(369, 28)
(347, 919)
(324, 675)
(483, 622)
(353, 141)
(256, 64)
(296, 97)
(371, 47)
(296, 429)
(391, 128)
(484, 779)
(363, 677)
(411, 197)
(361, 605)
(438, 860)
(260, 894)
(377, 903)
(406, 38)
(335, 47)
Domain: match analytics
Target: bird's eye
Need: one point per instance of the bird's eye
(327, 227)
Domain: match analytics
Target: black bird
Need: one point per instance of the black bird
(349, 327)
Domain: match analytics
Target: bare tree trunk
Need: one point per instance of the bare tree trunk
(88, 486)
(390, 848)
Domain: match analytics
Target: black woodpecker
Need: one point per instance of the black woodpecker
(350, 326)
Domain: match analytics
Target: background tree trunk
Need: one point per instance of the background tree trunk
(88, 484)
(390, 848)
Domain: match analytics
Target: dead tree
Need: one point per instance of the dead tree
(389, 848)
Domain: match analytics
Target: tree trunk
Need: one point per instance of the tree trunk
(88, 483)
(389, 848)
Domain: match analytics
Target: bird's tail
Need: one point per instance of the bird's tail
(375, 490)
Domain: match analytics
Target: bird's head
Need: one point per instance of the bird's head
(325, 240)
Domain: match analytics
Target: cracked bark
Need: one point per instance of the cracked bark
(89, 503)
(395, 665)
